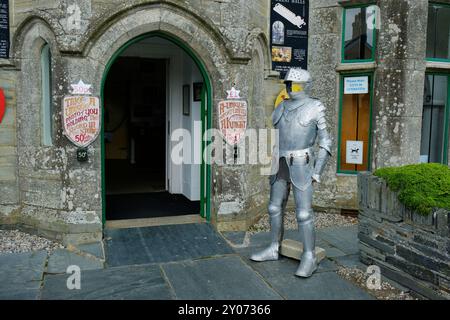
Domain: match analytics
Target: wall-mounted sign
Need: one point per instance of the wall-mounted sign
(81, 88)
(289, 21)
(356, 85)
(82, 155)
(4, 29)
(233, 117)
(81, 119)
(355, 151)
(2, 105)
(233, 93)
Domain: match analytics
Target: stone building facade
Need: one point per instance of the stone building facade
(45, 188)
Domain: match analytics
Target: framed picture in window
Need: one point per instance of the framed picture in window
(186, 100)
(197, 91)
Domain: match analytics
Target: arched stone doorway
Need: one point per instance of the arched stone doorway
(167, 56)
(206, 47)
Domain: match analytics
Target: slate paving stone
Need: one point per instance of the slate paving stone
(225, 278)
(332, 252)
(286, 266)
(19, 294)
(121, 283)
(61, 259)
(235, 237)
(21, 275)
(343, 238)
(30, 266)
(321, 286)
(163, 244)
(95, 249)
(246, 252)
(260, 239)
(264, 239)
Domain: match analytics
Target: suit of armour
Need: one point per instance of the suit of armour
(301, 122)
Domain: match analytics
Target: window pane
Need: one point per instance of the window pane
(355, 119)
(46, 88)
(358, 38)
(433, 122)
(438, 32)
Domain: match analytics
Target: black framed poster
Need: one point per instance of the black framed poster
(4, 29)
(186, 100)
(289, 23)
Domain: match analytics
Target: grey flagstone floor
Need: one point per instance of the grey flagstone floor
(191, 261)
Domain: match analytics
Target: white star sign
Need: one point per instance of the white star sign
(81, 88)
(233, 93)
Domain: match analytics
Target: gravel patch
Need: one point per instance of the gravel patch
(386, 291)
(322, 220)
(15, 241)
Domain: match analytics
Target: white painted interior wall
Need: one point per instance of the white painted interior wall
(184, 178)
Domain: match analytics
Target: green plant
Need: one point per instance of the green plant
(420, 187)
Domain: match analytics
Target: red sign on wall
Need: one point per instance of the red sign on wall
(81, 119)
(233, 120)
(2, 105)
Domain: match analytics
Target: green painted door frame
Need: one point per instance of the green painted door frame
(343, 75)
(206, 114)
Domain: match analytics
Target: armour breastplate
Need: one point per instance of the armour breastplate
(297, 124)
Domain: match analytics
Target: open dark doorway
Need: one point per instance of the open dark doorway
(135, 106)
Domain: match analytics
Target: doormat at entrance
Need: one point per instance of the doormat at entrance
(137, 246)
(149, 205)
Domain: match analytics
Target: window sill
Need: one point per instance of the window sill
(353, 175)
(356, 66)
(438, 65)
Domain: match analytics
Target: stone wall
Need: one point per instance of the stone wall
(231, 38)
(44, 187)
(411, 249)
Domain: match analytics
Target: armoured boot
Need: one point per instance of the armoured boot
(272, 252)
(308, 264)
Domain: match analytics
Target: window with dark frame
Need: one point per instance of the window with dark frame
(438, 32)
(435, 119)
(359, 34)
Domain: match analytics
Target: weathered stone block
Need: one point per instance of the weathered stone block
(412, 269)
(374, 193)
(423, 260)
(444, 283)
(294, 249)
(442, 222)
(423, 220)
(425, 240)
(82, 238)
(372, 252)
(434, 254)
(376, 244)
(362, 188)
(423, 288)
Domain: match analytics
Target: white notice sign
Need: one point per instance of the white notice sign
(355, 151)
(356, 85)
